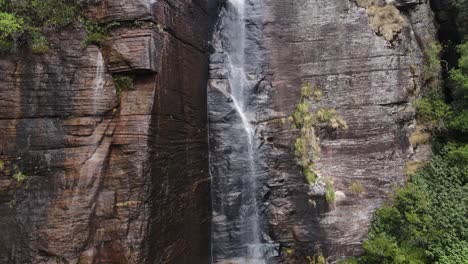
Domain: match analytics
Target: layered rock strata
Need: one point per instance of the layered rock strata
(88, 177)
(369, 78)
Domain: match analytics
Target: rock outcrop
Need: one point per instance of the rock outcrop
(88, 177)
(369, 78)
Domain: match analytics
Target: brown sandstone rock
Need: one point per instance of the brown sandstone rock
(108, 180)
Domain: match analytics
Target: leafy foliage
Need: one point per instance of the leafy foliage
(426, 221)
(123, 82)
(97, 33)
(10, 28)
(432, 110)
(19, 176)
(22, 22)
(432, 60)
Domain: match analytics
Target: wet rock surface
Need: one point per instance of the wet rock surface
(367, 79)
(88, 177)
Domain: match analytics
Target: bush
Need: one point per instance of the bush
(460, 75)
(11, 27)
(123, 82)
(432, 110)
(426, 221)
(432, 60)
(24, 19)
(38, 43)
(97, 33)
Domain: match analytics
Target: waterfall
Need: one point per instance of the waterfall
(99, 80)
(238, 235)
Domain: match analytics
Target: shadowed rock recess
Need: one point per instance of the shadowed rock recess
(92, 175)
(108, 179)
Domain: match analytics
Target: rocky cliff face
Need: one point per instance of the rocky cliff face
(89, 177)
(369, 66)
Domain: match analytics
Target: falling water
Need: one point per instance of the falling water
(237, 230)
(99, 80)
(86, 189)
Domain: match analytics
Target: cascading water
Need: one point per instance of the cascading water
(238, 235)
(99, 80)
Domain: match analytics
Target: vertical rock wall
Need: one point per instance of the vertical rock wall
(108, 179)
(370, 81)
(369, 70)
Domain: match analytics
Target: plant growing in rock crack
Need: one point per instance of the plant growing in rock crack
(385, 19)
(123, 82)
(19, 176)
(329, 192)
(356, 188)
(96, 33)
(317, 258)
(307, 144)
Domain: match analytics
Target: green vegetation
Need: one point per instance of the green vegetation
(432, 60)
(316, 259)
(461, 7)
(413, 166)
(19, 176)
(127, 203)
(426, 221)
(123, 82)
(22, 22)
(307, 145)
(356, 187)
(288, 251)
(310, 175)
(329, 192)
(432, 110)
(97, 33)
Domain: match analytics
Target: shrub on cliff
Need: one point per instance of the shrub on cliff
(426, 221)
(22, 22)
(11, 27)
